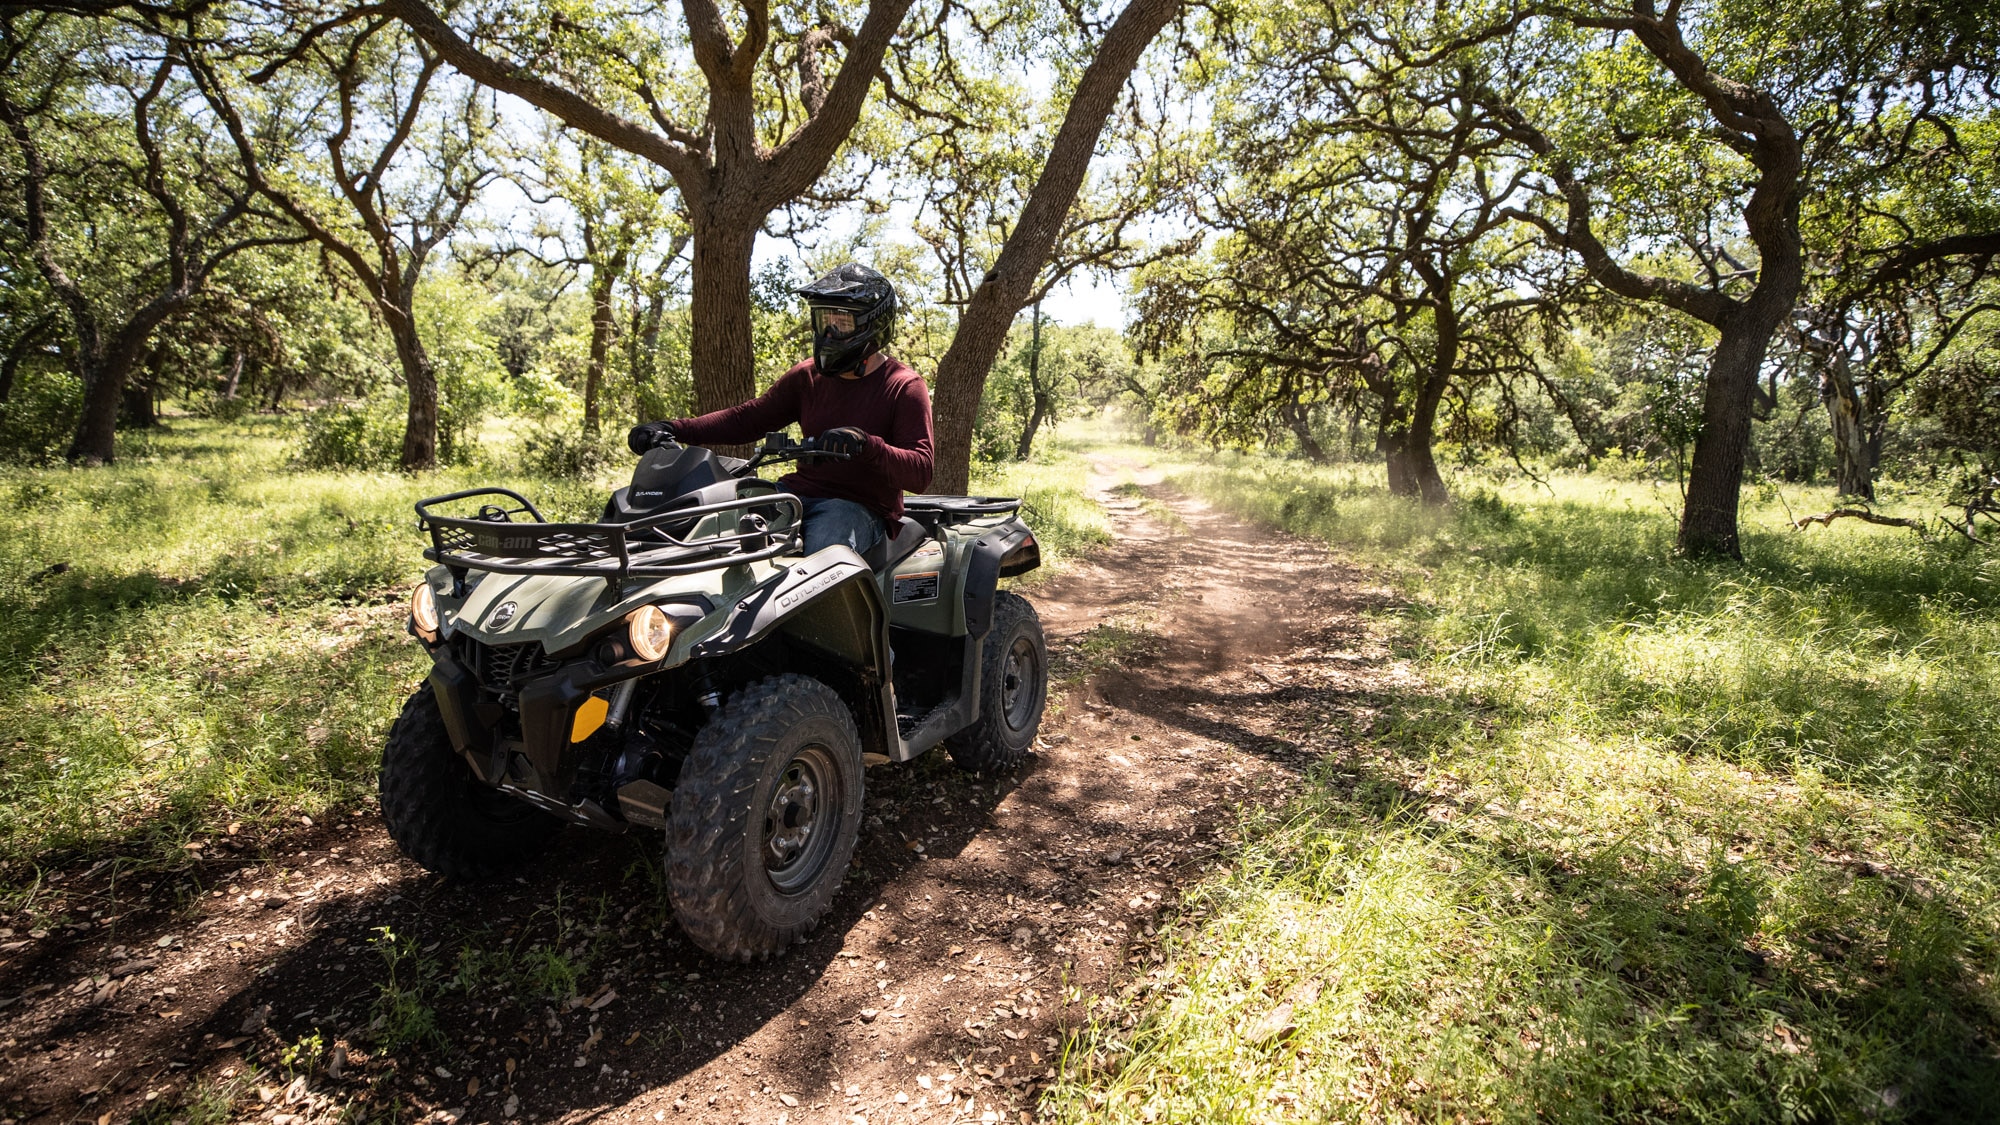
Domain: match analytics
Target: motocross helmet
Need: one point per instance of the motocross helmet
(853, 316)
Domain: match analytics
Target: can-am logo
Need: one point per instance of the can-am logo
(502, 614)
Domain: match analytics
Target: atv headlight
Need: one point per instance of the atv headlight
(651, 632)
(424, 611)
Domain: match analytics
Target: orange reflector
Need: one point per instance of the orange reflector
(589, 717)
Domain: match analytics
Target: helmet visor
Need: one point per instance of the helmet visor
(835, 323)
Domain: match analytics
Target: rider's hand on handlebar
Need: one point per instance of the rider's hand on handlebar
(844, 442)
(649, 435)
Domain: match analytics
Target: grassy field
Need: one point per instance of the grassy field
(1657, 841)
(200, 635)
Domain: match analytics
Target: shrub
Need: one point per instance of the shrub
(39, 417)
(353, 436)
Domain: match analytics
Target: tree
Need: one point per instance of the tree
(618, 218)
(1011, 283)
(1367, 243)
(125, 205)
(1901, 253)
(758, 134)
(372, 207)
(1678, 144)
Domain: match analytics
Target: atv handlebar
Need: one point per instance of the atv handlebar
(777, 447)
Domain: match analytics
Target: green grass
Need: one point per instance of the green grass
(1055, 501)
(200, 634)
(1657, 840)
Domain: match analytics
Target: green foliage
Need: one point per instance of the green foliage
(354, 435)
(1055, 500)
(469, 376)
(1077, 365)
(404, 1016)
(1658, 841)
(304, 1055)
(39, 417)
(549, 427)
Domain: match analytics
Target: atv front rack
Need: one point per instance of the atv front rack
(495, 541)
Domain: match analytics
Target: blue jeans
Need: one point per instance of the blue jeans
(830, 521)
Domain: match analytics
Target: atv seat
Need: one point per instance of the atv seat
(892, 549)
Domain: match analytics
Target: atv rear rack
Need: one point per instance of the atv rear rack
(933, 509)
(495, 541)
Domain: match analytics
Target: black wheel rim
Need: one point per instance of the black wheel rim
(1020, 684)
(801, 820)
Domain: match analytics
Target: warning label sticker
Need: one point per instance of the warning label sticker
(922, 587)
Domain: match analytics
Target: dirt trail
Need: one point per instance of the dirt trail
(1210, 662)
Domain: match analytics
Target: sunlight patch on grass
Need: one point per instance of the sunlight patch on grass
(1659, 840)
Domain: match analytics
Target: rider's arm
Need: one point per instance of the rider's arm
(773, 410)
(905, 451)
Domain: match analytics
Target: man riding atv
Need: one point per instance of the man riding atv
(860, 401)
(718, 657)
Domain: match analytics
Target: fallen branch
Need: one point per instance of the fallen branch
(1863, 514)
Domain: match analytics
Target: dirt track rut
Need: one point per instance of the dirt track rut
(1210, 662)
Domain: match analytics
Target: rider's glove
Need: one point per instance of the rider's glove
(649, 435)
(846, 440)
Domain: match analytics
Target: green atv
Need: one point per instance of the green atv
(681, 665)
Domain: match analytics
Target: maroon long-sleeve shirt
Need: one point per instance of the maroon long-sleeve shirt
(890, 404)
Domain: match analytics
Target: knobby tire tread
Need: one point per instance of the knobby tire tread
(984, 747)
(434, 814)
(712, 811)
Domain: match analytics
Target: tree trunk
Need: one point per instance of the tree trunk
(1854, 468)
(643, 354)
(1417, 452)
(1715, 476)
(140, 409)
(724, 364)
(103, 393)
(104, 378)
(1035, 416)
(603, 276)
(1420, 462)
(1392, 440)
(420, 429)
(1040, 408)
(982, 330)
(1298, 418)
(235, 377)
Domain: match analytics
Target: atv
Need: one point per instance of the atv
(681, 665)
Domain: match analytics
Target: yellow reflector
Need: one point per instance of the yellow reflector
(589, 717)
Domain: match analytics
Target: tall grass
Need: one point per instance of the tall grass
(201, 634)
(1661, 841)
(1055, 501)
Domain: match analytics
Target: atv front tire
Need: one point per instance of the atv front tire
(1013, 690)
(765, 817)
(442, 816)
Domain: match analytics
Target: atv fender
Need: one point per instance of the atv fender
(457, 698)
(829, 602)
(1003, 552)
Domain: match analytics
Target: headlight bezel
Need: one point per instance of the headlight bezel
(424, 617)
(650, 632)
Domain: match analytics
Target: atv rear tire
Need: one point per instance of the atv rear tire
(1013, 690)
(442, 816)
(765, 818)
